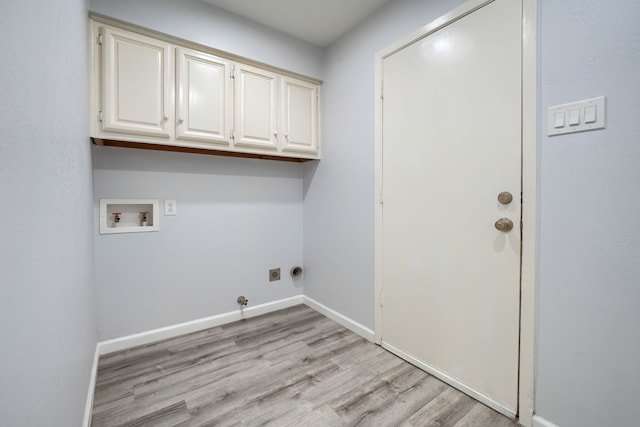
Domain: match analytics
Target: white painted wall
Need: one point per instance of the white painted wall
(206, 24)
(588, 344)
(237, 218)
(339, 190)
(47, 319)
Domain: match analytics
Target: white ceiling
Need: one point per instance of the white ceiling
(319, 22)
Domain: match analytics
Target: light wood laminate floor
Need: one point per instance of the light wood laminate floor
(293, 367)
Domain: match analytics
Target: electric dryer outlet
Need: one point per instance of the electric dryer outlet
(274, 274)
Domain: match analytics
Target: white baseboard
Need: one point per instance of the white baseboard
(147, 337)
(142, 338)
(88, 409)
(538, 421)
(504, 410)
(348, 323)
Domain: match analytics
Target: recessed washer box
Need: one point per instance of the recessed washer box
(129, 215)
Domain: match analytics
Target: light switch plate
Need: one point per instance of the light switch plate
(170, 207)
(580, 116)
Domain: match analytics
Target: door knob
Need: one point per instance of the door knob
(505, 197)
(504, 224)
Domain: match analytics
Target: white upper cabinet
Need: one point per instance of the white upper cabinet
(203, 107)
(153, 91)
(299, 115)
(285, 119)
(137, 84)
(256, 113)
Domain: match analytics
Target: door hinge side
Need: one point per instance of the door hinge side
(381, 297)
(382, 90)
(521, 226)
(232, 72)
(100, 39)
(381, 196)
(231, 137)
(100, 115)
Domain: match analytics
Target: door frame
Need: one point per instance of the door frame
(529, 186)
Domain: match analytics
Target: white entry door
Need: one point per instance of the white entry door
(451, 143)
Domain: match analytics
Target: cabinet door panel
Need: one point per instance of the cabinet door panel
(137, 89)
(256, 107)
(300, 115)
(203, 108)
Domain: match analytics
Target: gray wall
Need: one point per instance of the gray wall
(237, 218)
(47, 325)
(589, 267)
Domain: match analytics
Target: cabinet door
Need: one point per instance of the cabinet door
(203, 107)
(255, 107)
(299, 115)
(137, 86)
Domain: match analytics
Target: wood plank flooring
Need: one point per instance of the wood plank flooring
(293, 367)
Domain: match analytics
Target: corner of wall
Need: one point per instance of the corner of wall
(541, 422)
(88, 409)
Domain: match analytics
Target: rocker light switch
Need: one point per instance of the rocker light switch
(574, 117)
(590, 114)
(170, 208)
(579, 116)
(558, 120)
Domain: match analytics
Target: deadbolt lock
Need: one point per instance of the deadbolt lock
(504, 224)
(505, 197)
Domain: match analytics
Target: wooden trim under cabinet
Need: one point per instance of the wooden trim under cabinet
(177, 149)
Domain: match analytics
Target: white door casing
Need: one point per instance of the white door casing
(453, 91)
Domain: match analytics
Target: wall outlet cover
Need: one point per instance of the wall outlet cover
(170, 207)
